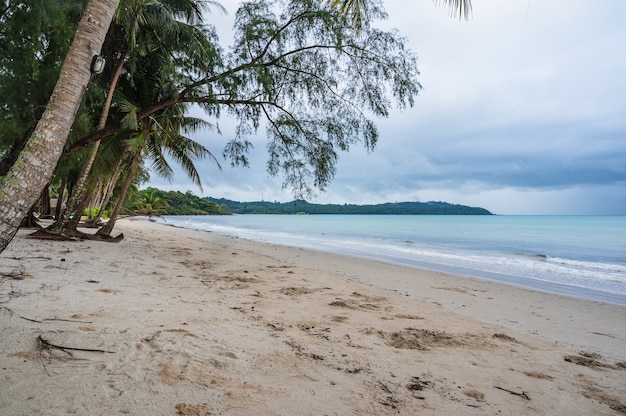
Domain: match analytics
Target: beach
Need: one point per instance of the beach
(171, 321)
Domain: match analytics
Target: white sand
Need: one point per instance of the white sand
(199, 324)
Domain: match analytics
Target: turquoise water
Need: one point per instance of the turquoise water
(582, 256)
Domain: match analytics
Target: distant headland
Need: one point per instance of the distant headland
(179, 203)
(388, 208)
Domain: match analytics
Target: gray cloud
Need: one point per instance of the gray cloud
(522, 112)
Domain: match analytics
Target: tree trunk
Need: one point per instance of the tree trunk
(21, 187)
(108, 227)
(59, 207)
(109, 192)
(74, 202)
(72, 224)
(44, 207)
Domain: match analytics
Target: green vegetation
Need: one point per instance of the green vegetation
(179, 203)
(390, 208)
(95, 212)
(155, 202)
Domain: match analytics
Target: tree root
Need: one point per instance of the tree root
(47, 344)
(74, 235)
(94, 237)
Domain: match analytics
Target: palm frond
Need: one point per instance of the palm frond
(353, 9)
(461, 7)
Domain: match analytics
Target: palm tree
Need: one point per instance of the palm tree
(160, 136)
(21, 187)
(132, 24)
(151, 204)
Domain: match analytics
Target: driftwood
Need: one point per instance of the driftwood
(522, 394)
(12, 312)
(18, 273)
(47, 344)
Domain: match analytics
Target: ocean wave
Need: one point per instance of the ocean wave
(607, 267)
(477, 256)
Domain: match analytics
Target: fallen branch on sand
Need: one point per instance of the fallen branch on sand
(50, 347)
(522, 394)
(48, 344)
(18, 273)
(12, 312)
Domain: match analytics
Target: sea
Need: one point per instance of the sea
(580, 256)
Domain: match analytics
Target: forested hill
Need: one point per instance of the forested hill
(390, 208)
(154, 201)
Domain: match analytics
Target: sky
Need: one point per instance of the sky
(522, 112)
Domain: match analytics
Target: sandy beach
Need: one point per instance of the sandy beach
(177, 322)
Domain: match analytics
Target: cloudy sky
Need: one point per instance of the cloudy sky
(523, 111)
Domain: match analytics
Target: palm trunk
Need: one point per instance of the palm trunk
(59, 207)
(108, 227)
(44, 208)
(72, 224)
(109, 192)
(33, 170)
(74, 202)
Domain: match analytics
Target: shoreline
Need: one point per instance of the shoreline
(464, 293)
(194, 323)
(543, 286)
(595, 291)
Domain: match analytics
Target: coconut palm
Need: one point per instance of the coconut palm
(132, 28)
(151, 204)
(158, 137)
(161, 136)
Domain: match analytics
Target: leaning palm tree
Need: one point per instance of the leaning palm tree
(34, 168)
(161, 136)
(133, 24)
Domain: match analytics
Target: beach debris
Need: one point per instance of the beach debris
(408, 316)
(601, 395)
(475, 394)
(291, 291)
(391, 402)
(515, 393)
(344, 304)
(592, 360)
(301, 351)
(185, 409)
(420, 339)
(45, 344)
(275, 327)
(30, 258)
(18, 273)
(417, 384)
(504, 337)
(538, 375)
(49, 347)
